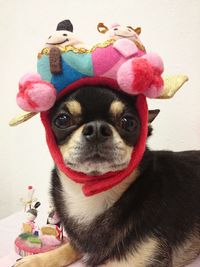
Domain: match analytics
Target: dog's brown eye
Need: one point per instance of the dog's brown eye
(63, 121)
(128, 123)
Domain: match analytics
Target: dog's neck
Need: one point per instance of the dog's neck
(85, 209)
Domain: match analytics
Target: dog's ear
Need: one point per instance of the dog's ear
(153, 114)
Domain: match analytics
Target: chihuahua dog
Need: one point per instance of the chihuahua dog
(150, 219)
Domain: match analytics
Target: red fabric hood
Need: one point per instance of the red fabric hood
(96, 184)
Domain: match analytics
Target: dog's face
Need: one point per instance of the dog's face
(96, 129)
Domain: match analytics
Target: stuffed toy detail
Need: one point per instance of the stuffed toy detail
(119, 62)
(62, 62)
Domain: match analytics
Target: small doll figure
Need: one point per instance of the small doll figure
(30, 226)
(37, 91)
(52, 233)
(53, 220)
(64, 36)
(117, 31)
(28, 241)
(139, 72)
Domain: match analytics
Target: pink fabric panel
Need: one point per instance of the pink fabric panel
(112, 73)
(110, 57)
(126, 47)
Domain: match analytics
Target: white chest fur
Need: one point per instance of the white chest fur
(85, 209)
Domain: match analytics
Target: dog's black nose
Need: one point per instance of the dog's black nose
(97, 131)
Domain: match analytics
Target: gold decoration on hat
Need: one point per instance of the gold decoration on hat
(171, 85)
(22, 118)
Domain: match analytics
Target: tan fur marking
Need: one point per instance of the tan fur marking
(142, 256)
(59, 257)
(66, 148)
(118, 140)
(145, 252)
(116, 108)
(74, 107)
(187, 251)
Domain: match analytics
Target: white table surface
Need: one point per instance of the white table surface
(10, 229)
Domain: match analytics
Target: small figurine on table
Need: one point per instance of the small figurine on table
(29, 241)
(32, 239)
(30, 226)
(52, 233)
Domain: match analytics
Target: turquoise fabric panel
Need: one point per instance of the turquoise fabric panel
(74, 67)
(80, 62)
(43, 68)
(68, 76)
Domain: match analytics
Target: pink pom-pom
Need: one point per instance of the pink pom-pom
(155, 61)
(139, 76)
(156, 87)
(135, 76)
(35, 95)
(30, 77)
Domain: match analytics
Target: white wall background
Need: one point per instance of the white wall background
(170, 27)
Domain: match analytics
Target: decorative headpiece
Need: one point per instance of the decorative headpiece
(119, 62)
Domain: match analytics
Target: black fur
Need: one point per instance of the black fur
(164, 202)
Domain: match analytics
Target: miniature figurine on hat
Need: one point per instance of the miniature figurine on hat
(65, 59)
